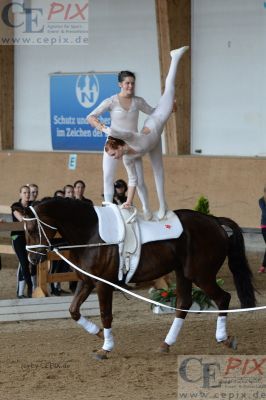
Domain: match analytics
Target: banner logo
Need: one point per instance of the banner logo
(38, 22)
(87, 90)
(222, 377)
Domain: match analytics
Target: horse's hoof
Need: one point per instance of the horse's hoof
(101, 355)
(100, 334)
(164, 348)
(230, 342)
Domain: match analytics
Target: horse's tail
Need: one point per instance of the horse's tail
(238, 264)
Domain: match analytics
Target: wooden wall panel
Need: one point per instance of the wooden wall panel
(6, 97)
(232, 185)
(174, 30)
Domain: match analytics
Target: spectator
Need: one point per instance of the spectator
(69, 191)
(120, 189)
(262, 204)
(59, 193)
(25, 274)
(79, 189)
(34, 191)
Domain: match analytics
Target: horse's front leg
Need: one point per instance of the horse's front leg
(184, 302)
(105, 295)
(83, 290)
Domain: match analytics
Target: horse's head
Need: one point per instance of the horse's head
(39, 232)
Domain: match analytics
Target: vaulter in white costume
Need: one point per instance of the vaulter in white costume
(132, 146)
(124, 110)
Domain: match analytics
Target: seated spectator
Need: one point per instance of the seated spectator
(69, 191)
(59, 193)
(120, 189)
(79, 189)
(34, 191)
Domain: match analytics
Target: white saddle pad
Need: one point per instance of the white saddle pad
(168, 228)
(111, 224)
(113, 228)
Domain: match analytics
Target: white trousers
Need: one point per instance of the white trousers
(110, 166)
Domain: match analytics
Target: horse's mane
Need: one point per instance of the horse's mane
(62, 200)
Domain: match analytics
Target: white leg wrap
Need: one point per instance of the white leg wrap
(174, 331)
(108, 340)
(221, 333)
(88, 325)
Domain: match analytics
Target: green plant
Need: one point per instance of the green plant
(169, 296)
(202, 205)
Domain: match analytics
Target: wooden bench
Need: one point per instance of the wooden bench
(44, 308)
(44, 277)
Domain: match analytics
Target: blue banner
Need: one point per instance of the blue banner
(72, 98)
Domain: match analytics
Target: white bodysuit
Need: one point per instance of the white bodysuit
(128, 120)
(151, 143)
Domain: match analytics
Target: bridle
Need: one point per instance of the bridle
(41, 231)
(49, 247)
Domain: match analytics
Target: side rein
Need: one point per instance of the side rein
(49, 247)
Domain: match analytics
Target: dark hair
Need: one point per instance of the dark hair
(81, 182)
(124, 74)
(120, 183)
(58, 192)
(113, 143)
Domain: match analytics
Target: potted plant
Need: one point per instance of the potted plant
(168, 297)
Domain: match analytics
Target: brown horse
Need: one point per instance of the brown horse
(196, 257)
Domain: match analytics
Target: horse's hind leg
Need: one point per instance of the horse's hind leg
(183, 302)
(222, 300)
(83, 290)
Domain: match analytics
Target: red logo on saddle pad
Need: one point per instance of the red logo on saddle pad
(168, 226)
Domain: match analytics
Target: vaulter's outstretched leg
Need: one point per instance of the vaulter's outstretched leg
(166, 102)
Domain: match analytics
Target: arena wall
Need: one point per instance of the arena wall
(232, 185)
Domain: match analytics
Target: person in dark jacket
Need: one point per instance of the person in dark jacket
(19, 244)
(262, 204)
(120, 190)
